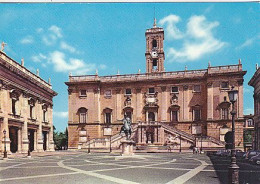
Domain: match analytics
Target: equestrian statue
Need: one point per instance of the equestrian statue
(126, 128)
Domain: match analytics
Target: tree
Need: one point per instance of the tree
(60, 139)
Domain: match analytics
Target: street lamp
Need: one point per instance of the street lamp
(233, 168)
(180, 144)
(5, 153)
(88, 144)
(201, 144)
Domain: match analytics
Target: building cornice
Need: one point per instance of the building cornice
(20, 70)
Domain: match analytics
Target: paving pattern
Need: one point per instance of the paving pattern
(166, 168)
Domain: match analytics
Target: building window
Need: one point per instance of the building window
(196, 114)
(154, 43)
(108, 93)
(82, 115)
(174, 116)
(32, 108)
(224, 113)
(250, 123)
(15, 105)
(151, 91)
(196, 88)
(224, 85)
(83, 93)
(175, 89)
(108, 117)
(45, 110)
(155, 63)
(128, 91)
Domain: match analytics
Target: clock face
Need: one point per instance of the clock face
(154, 54)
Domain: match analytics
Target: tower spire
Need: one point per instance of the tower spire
(154, 19)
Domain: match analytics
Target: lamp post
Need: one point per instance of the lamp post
(88, 144)
(201, 144)
(180, 144)
(233, 168)
(5, 153)
(29, 153)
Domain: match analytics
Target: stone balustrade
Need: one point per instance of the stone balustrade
(161, 75)
(24, 70)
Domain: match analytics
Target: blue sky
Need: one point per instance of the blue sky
(80, 38)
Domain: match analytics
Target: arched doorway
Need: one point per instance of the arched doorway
(151, 116)
(150, 135)
(229, 140)
(13, 134)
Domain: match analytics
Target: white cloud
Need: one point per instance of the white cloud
(68, 47)
(56, 30)
(248, 111)
(247, 43)
(247, 90)
(39, 30)
(172, 32)
(39, 58)
(60, 114)
(50, 38)
(198, 39)
(61, 64)
(27, 40)
(102, 66)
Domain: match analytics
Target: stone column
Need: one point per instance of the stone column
(35, 140)
(7, 139)
(25, 140)
(186, 102)
(19, 140)
(163, 103)
(118, 105)
(210, 101)
(138, 104)
(240, 99)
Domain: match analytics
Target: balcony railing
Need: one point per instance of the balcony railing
(156, 76)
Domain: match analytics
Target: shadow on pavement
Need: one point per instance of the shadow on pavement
(248, 173)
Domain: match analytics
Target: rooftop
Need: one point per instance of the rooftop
(24, 70)
(161, 75)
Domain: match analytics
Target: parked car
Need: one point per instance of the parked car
(222, 152)
(255, 159)
(239, 153)
(251, 153)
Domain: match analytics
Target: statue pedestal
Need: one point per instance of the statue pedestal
(127, 148)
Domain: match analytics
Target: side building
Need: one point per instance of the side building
(25, 108)
(255, 83)
(183, 108)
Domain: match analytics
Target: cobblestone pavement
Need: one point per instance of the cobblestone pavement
(106, 168)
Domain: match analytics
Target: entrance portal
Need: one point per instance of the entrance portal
(150, 135)
(31, 139)
(13, 134)
(229, 140)
(44, 135)
(151, 116)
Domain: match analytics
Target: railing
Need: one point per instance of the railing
(179, 132)
(23, 69)
(159, 75)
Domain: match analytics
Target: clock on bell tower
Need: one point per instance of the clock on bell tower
(154, 49)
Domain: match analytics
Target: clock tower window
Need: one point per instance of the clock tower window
(155, 64)
(154, 44)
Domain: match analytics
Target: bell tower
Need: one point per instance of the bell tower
(154, 49)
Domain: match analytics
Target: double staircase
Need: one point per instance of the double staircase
(205, 141)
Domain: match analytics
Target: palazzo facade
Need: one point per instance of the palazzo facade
(179, 107)
(255, 83)
(25, 108)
